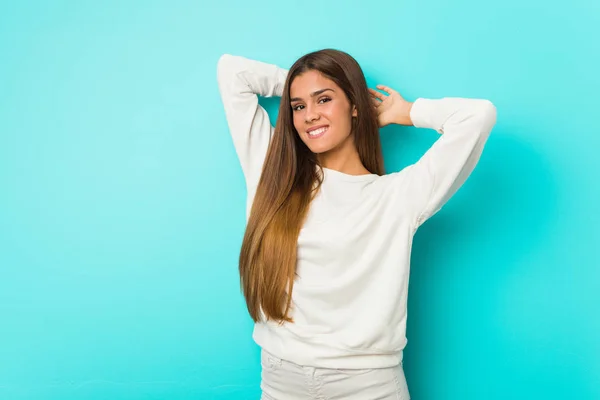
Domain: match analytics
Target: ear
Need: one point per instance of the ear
(354, 111)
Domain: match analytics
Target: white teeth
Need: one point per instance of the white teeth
(318, 131)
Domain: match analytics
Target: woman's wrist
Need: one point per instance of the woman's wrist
(404, 117)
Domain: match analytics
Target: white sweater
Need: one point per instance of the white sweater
(350, 297)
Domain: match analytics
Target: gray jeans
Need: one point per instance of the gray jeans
(284, 380)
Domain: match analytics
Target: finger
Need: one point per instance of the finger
(377, 94)
(386, 89)
(375, 100)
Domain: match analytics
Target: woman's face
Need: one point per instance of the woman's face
(321, 112)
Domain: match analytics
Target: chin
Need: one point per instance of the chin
(319, 149)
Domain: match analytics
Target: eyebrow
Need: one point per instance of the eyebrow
(313, 94)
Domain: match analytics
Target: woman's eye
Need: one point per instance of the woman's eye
(321, 101)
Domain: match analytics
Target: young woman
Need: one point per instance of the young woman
(324, 263)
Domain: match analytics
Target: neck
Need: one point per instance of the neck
(343, 159)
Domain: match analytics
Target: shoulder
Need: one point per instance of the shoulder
(394, 180)
(400, 188)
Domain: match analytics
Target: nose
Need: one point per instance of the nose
(311, 114)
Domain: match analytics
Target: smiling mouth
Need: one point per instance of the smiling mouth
(318, 132)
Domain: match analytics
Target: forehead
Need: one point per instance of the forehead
(310, 81)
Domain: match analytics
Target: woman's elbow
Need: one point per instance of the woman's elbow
(225, 66)
(487, 114)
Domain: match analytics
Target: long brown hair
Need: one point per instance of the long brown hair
(291, 177)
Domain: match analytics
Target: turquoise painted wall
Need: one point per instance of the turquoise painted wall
(122, 202)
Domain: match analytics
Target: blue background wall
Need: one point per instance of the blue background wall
(122, 202)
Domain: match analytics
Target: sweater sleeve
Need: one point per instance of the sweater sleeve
(241, 81)
(465, 125)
